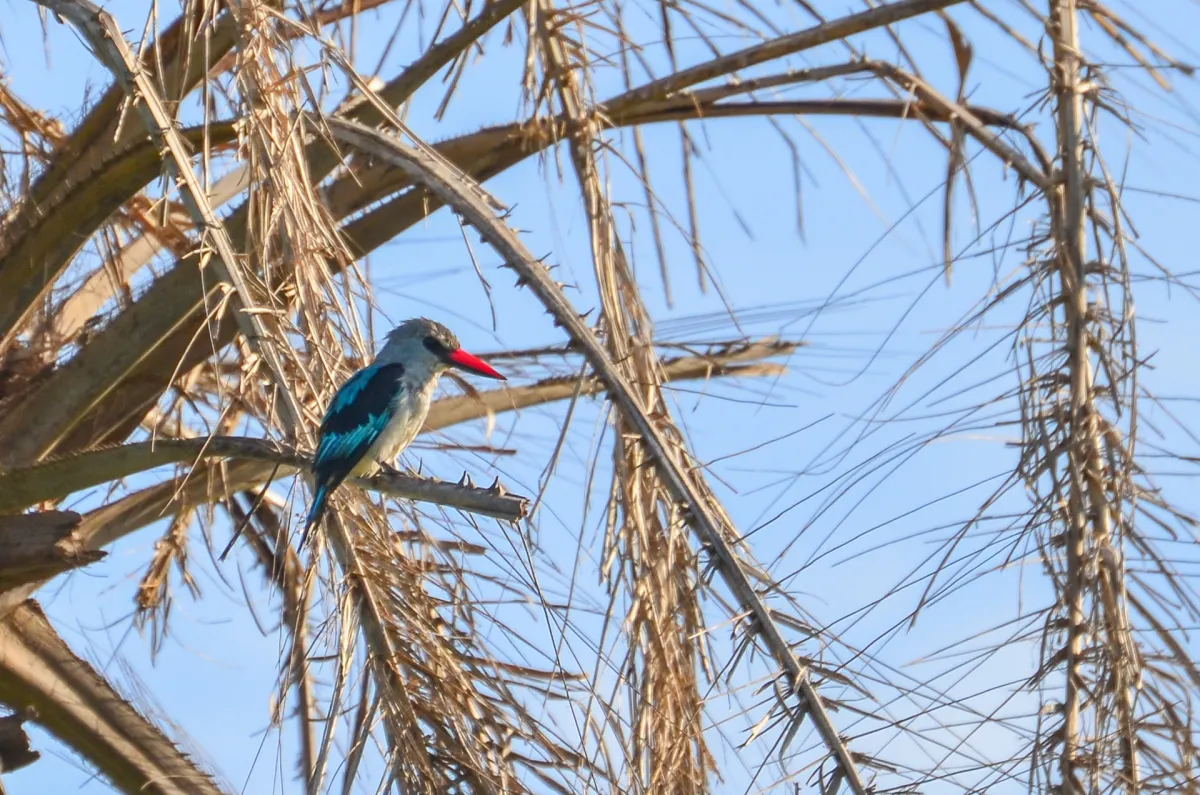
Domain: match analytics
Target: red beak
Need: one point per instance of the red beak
(474, 364)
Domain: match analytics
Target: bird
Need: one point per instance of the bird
(381, 408)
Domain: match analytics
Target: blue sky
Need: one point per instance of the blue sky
(789, 452)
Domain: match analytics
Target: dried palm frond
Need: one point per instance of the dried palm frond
(193, 261)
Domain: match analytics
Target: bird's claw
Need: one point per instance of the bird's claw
(387, 469)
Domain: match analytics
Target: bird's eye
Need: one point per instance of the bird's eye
(434, 345)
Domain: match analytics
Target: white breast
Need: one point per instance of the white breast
(412, 406)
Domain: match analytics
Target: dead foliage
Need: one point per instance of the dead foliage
(184, 280)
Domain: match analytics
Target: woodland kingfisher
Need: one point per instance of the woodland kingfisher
(381, 408)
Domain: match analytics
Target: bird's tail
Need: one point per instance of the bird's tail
(316, 511)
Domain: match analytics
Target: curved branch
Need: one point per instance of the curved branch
(73, 701)
(686, 488)
(973, 125)
(825, 33)
(489, 152)
(927, 105)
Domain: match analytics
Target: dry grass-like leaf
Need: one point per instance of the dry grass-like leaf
(185, 277)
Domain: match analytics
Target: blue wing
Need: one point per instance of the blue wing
(356, 417)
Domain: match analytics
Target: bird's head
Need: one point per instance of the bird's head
(427, 347)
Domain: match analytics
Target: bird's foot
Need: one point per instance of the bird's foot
(387, 469)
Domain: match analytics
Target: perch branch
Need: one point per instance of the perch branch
(62, 476)
(111, 522)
